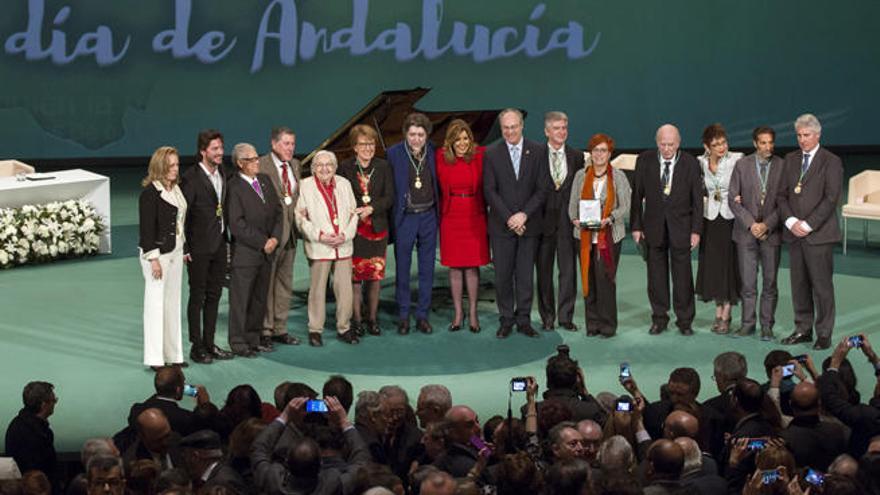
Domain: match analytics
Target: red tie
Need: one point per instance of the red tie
(286, 178)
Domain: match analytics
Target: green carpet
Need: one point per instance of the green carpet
(78, 325)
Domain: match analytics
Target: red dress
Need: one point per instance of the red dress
(464, 241)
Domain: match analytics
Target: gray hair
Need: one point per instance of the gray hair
(730, 366)
(95, 447)
(239, 149)
(809, 121)
(389, 391)
(693, 458)
(513, 111)
(324, 154)
(436, 395)
(368, 403)
(554, 116)
(555, 433)
(104, 463)
(616, 453)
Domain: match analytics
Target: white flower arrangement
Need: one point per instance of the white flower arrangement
(42, 233)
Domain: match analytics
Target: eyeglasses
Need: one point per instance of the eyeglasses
(599, 150)
(249, 159)
(366, 145)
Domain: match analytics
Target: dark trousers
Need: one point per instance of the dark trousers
(561, 247)
(660, 259)
(514, 258)
(752, 255)
(812, 287)
(601, 302)
(417, 230)
(206, 274)
(247, 304)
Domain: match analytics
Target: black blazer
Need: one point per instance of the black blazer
(202, 226)
(556, 205)
(158, 221)
(252, 221)
(681, 214)
(381, 189)
(818, 199)
(506, 195)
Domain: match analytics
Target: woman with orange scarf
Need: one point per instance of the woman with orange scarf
(600, 247)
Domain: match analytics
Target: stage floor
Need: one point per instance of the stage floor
(78, 325)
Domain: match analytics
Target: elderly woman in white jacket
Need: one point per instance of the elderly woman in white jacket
(327, 216)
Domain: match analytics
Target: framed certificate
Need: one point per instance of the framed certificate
(590, 213)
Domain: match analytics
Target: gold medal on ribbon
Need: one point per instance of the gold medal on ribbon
(219, 210)
(762, 198)
(797, 188)
(418, 183)
(717, 196)
(366, 199)
(667, 189)
(288, 200)
(335, 221)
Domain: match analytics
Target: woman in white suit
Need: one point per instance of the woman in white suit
(717, 274)
(327, 216)
(162, 210)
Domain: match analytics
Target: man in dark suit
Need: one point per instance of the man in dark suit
(204, 188)
(561, 161)
(753, 189)
(169, 384)
(669, 224)
(515, 186)
(255, 223)
(284, 172)
(813, 442)
(415, 218)
(155, 441)
(808, 198)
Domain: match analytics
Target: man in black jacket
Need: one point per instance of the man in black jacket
(203, 459)
(169, 383)
(565, 383)
(814, 443)
(29, 438)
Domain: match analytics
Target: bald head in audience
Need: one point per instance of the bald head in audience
(805, 399)
(438, 483)
(665, 460)
(680, 424)
(154, 430)
(463, 422)
(844, 465)
(592, 437)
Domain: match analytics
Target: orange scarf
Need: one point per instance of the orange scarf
(605, 239)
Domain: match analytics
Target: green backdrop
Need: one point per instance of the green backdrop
(93, 78)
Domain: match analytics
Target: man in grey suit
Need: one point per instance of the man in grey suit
(753, 189)
(284, 172)
(809, 194)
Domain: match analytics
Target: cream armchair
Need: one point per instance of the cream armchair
(862, 201)
(8, 168)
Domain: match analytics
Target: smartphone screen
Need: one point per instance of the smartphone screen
(189, 390)
(756, 444)
(624, 406)
(769, 477)
(787, 370)
(317, 406)
(814, 477)
(855, 341)
(625, 371)
(518, 385)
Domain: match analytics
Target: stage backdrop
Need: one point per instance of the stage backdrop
(91, 78)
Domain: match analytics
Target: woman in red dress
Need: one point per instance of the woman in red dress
(464, 243)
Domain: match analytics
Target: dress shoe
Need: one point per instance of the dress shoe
(454, 328)
(359, 328)
(656, 329)
(504, 331)
(218, 353)
(474, 329)
(348, 337)
(266, 341)
(717, 324)
(547, 326)
(527, 330)
(592, 332)
(569, 326)
(373, 328)
(744, 332)
(767, 334)
(315, 340)
(424, 326)
(796, 338)
(687, 331)
(822, 343)
(264, 348)
(201, 357)
(248, 353)
(285, 339)
(403, 327)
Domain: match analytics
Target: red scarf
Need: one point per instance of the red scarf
(605, 239)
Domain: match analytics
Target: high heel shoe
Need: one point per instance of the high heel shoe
(474, 329)
(454, 328)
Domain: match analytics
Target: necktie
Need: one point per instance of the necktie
(764, 172)
(256, 185)
(806, 164)
(285, 178)
(665, 178)
(514, 157)
(557, 169)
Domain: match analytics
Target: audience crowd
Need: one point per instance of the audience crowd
(803, 430)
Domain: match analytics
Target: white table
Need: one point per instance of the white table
(66, 184)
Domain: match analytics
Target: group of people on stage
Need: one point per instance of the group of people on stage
(520, 198)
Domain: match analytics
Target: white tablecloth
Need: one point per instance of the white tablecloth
(66, 184)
